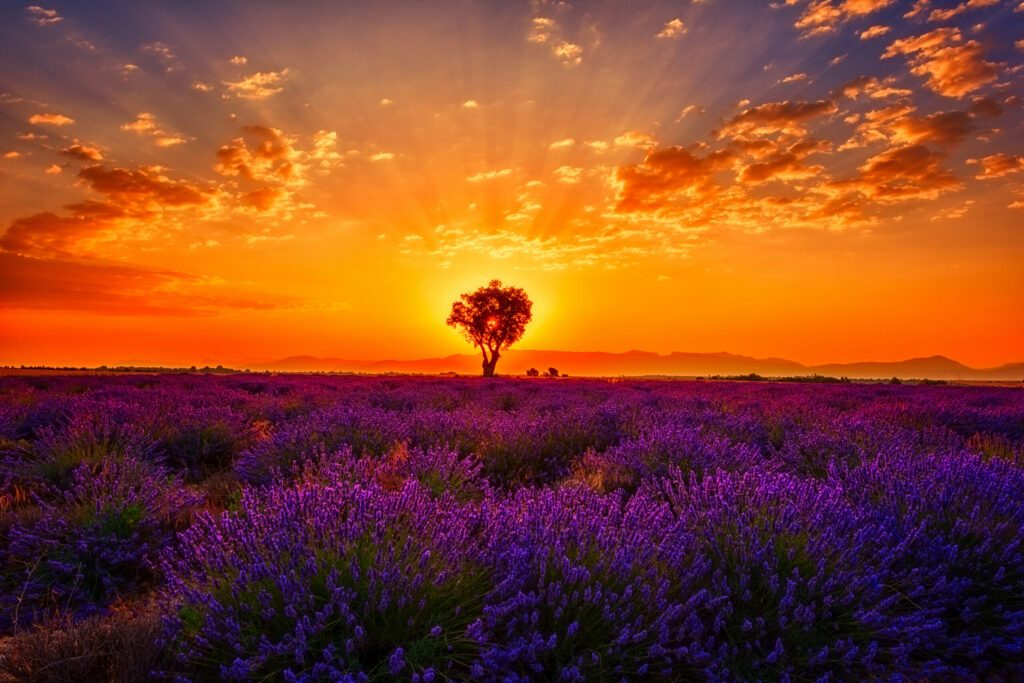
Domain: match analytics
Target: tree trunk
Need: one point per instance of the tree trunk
(488, 365)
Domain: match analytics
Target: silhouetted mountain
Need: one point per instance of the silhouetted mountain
(638, 363)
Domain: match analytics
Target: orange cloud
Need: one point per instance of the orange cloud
(131, 198)
(634, 138)
(483, 176)
(786, 164)
(943, 128)
(998, 165)
(49, 234)
(541, 29)
(952, 67)
(145, 188)
(263, 199)
(823, 16)
(49, 119)
(874, 32)
(949, 13)
(272, 157)
(668, 176)
(259, 85)
(776, 117)
(546, 31)
(673, 28)
(569, 53)
(116, 289)
(902, 173)
(83, 152)
(145, 124)
(873, 87)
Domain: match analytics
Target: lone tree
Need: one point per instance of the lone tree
(492, 318)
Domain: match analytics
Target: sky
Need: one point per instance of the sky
(235, 182)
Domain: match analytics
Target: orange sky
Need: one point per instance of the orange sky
(833, 180)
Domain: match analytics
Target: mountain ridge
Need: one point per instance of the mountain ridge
(647, 363)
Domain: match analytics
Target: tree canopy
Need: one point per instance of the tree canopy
(492, 318)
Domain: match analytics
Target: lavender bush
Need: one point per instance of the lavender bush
(93, 542)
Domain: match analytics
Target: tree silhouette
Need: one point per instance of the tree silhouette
(492, 318)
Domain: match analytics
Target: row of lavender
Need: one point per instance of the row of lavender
(311, 528)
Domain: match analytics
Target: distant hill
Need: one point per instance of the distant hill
(640, 363)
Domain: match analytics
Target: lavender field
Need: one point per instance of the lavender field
(259, 528)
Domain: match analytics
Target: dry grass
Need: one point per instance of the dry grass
(118, 648)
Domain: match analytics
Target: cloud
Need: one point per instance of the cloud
(145, 124)
(484, 176)
(33, 283)
(950, 12)
(80, 42)
(134, 204)
(786, 164)
(12, 155)
(271, 156)
(546, 31)
(776, 117)
(669, 176)
(386, 102)
(673, 28)
(146, 188)
(43, 17)
(689, 109)
(942, 128)
(569, 53)
(562, 144)
(239, 60)
(998, 165)
(269, 169)
(952, 67)
(382, 156)
(568, 174)
(902, 173)
(794, 78)
(264, 198)
(259, 85)
(50, 119)
(162, 52)
(634, 138)
(470, 104)
(325, 150)
(876, 31)
(541, 29)
(83, 152)
(117, 289)
(897, 125)
(49, 234)
(823, 16)
(873, 87)
(200, 86)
